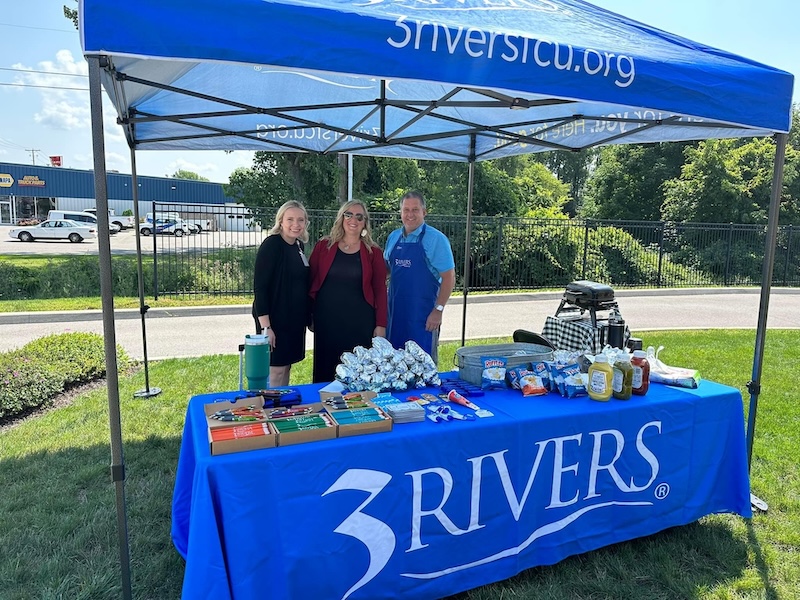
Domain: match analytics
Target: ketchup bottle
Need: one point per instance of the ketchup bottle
(641, 372)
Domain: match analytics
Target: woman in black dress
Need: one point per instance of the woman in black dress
(281, 282)
(348, 290)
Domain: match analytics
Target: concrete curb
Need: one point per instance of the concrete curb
(237, 309)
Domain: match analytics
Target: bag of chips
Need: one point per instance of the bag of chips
(513, 374)
(543, 372)
(493, 376)
(531, 384)
(575, 384)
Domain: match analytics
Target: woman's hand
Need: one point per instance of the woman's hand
(270, 333)
(379, 332)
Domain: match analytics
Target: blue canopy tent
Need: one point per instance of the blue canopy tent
(461, 80)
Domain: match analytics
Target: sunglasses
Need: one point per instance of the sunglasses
(348, 215)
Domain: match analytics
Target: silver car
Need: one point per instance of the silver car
(55, 229)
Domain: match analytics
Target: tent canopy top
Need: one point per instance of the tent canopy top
(433, 79)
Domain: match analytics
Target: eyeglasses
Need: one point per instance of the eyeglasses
(348, 215)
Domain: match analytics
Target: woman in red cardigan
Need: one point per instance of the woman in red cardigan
(348, 289)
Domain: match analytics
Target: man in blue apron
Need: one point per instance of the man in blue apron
(421, 277)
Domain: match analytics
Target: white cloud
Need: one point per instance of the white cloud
(58, 121)
(180, 164)
(65, 101)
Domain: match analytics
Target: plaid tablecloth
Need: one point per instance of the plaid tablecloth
(577, 333)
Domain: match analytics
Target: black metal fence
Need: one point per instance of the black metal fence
(506, 253)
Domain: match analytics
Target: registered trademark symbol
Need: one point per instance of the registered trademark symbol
(661, 491)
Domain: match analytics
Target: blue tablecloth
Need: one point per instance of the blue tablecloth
(429, 510)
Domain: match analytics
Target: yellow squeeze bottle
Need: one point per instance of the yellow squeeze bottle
(600, 378)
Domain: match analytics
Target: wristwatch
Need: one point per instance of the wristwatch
(439, 307)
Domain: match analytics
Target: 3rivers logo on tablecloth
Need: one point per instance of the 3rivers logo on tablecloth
(579, 497)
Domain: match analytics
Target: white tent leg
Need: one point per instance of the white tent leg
(109, 335)
(467, 239)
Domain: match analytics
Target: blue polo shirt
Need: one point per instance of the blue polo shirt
(438, 253)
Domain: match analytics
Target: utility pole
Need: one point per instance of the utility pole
(33, 152)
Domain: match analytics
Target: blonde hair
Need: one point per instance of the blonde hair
(282, 211)
(337, 231)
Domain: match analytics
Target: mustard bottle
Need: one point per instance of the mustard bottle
(600, 378)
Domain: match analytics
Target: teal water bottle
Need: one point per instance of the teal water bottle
(256, 361)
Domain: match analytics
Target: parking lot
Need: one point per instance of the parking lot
(124, 242)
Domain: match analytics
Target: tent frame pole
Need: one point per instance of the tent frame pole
(754, 385)
(147, 392)
(96, 64)
(468, 236)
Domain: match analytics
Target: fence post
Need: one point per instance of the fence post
(499, 250)
(788, 255)
(728, 254)
(662, 224)
(585, 247)
(155, 259)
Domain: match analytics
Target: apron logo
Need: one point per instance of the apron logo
(402, 262)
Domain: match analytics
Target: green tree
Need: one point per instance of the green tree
(794, 132)
(572, 168)
(542, 194)
(71, 14)
(708, 189)
(376, 175)
(730, 181)
(513, 186)
(183, 174)
(277, 177)
(628, 181)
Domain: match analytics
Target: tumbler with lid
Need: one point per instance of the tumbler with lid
(256, 361)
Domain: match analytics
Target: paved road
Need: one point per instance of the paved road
(219, 330)
(124, 242)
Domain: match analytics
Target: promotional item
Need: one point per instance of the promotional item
(256, 361)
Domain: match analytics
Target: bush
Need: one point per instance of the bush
(33, 375)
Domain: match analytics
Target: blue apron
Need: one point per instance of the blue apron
(412, 294)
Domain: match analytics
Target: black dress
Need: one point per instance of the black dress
(281, 284)
(343, 319)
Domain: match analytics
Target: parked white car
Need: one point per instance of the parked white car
(79, 217)
(54, 229)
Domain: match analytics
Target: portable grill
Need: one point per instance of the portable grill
(587, 295)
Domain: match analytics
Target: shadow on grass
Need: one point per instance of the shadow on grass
(679, 563)
(761, 564)
(58, 528)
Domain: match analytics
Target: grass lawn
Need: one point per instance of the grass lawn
(96, 303)
(58, 537)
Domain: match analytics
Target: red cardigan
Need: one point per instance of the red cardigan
(373, 275)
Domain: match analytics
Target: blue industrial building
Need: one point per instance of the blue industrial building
(29, 192)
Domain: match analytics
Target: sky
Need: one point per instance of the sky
(40, 59)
